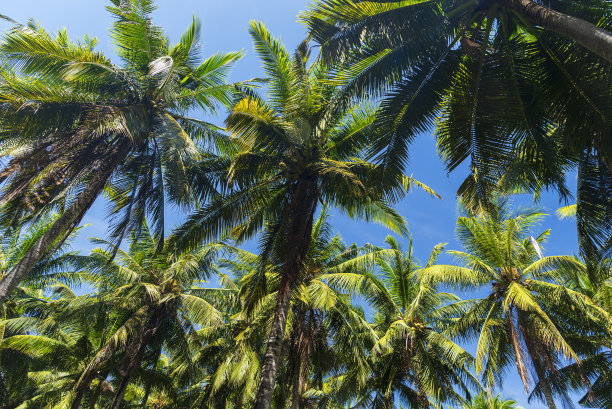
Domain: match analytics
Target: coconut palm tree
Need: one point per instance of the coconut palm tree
(590, 276)
(323, 334)
(43, 352)
(518, 100)
(326, 335)
(580, 23)
(230, 354)
(156, 302)
(412, 359)
(51, 274)
(482, 401)
(54, 268)
(74, 123)
(529, 315)
(299, 146)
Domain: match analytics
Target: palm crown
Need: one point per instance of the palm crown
(299, 146)
(412, 359)
(528, 312)
(301, 142)
(149, 304)
(72, 120)
(510, 95)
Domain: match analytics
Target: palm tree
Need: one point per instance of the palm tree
(14, 243)
(529, 314)
(156, 305)
(299, 147)
(326, 335)
(74, 123)
(49, 274)
(509, 92)
(324, 331)
(231, 351)
(564, 19)
(482, 401)
(591, 277)
(412, 359)
(43, 352)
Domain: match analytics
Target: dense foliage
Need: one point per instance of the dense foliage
(189, 318)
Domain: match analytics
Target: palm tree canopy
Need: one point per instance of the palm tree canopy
(146, 300)
(67, 112)
(518, 102)
(529, 315)
(482, 401)
(300, 140)
(411, 359)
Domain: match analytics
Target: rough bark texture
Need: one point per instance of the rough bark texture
(60, 227)
(584, 33)
(301, 211)
(84, 382)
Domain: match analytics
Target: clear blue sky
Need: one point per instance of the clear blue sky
(225, 28)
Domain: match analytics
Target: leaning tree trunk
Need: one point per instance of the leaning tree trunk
(68, 219)
(87, 377)
(586, 34)
(301, 210)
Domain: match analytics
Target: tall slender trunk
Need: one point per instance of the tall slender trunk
(145, 398)
(135, 355)
(297, 361)
(296, 390)
(85, 380)
(60, 227)
(584, 33)
(548, 396)
(301, 210)
(535, 360)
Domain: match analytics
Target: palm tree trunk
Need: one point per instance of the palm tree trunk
(83, 383)
(548, 396)
(295, 391)
(297, 362)
(300, 212)
(69, 218)
(145, 398)
(535, 360)
(275, 338)
(582, 32)
(135, 355)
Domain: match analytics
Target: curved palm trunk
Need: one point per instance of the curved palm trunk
(301, 212)
(584, 33)
(296, 390)
(86, 379)
(145, 398)
(68, 220)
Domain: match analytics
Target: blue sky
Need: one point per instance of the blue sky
(225, 28)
